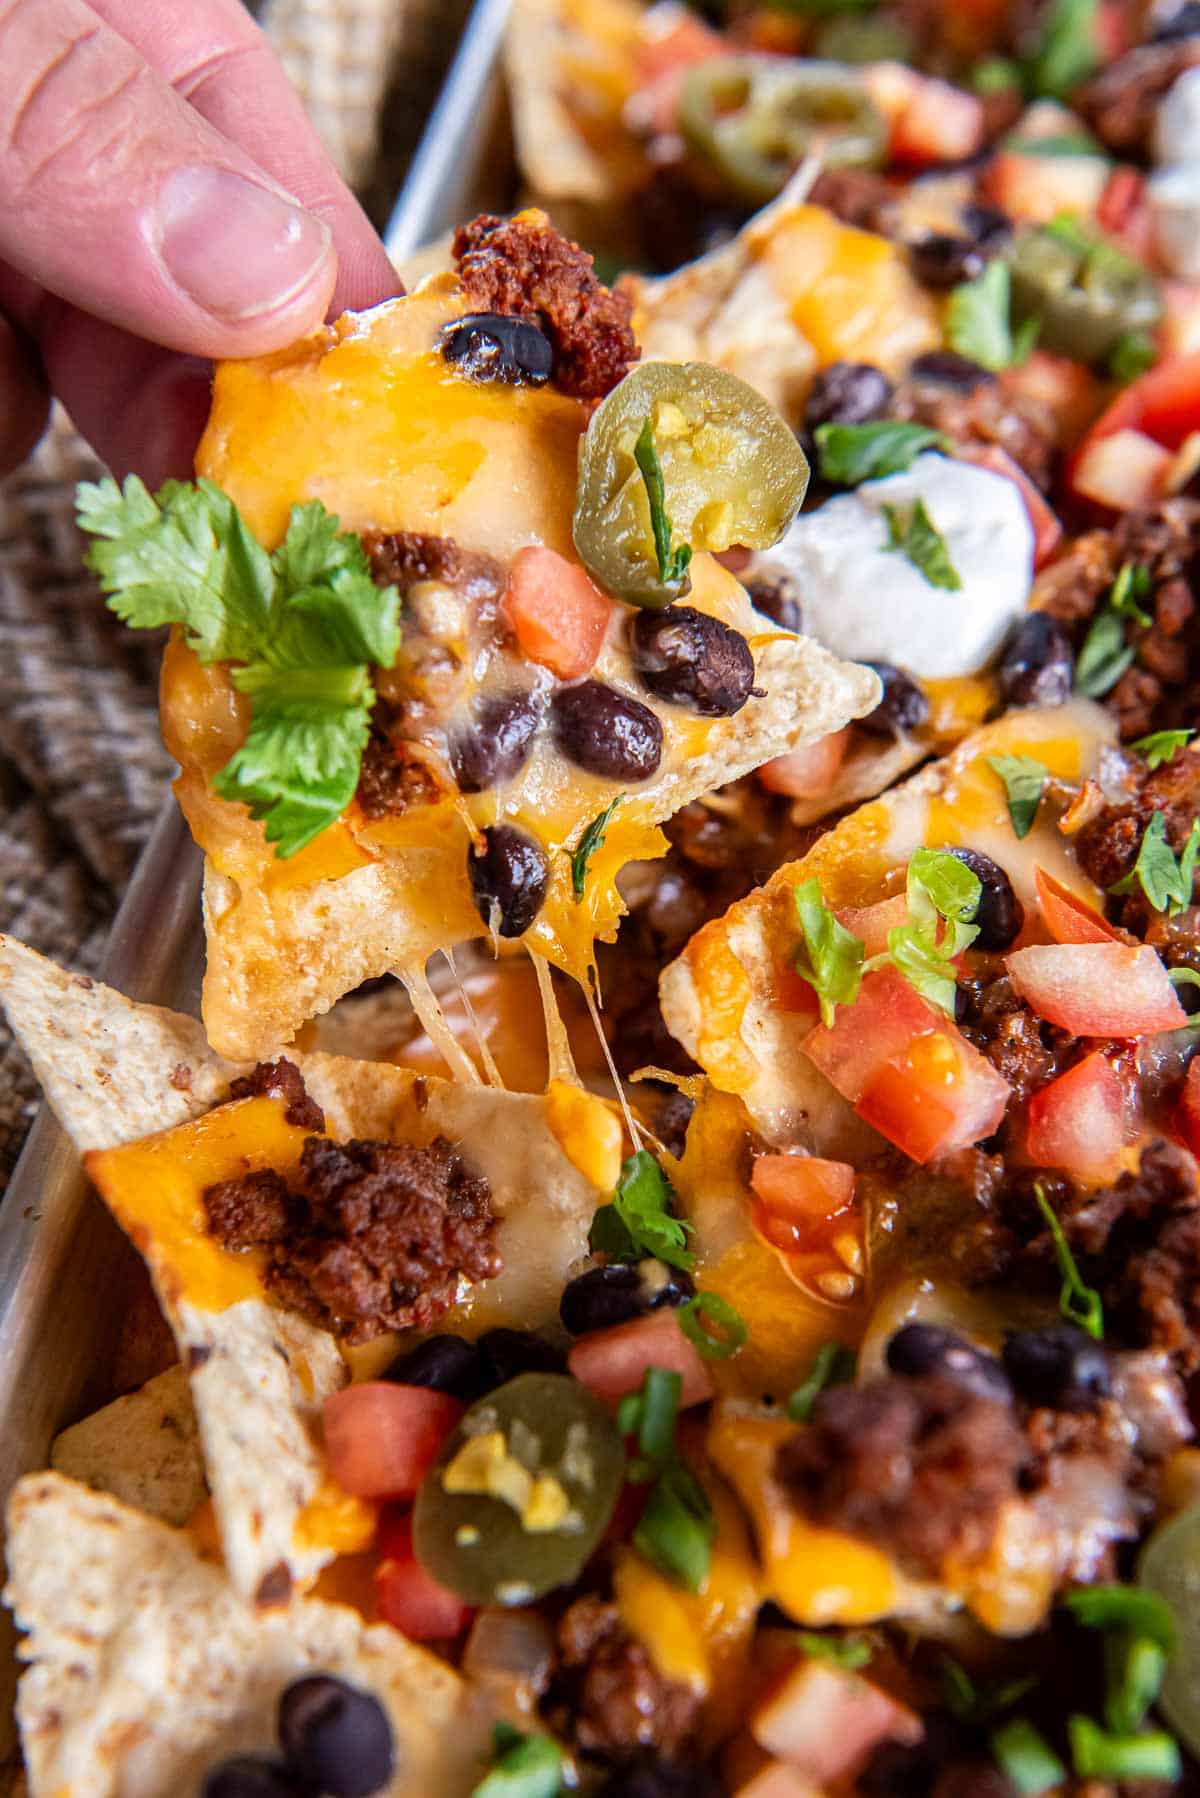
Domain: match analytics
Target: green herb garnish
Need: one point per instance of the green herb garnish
(1140, 1636)
(1152, 1754)
(651, 1415)
(1079, 1304)
(1128, 590)
(940, 891)
(1053, 144)
(1165, 880)
(1065, 52)
(1104, 656)
(833, 1365)
(712, 1325)
(995, 75)
(1023, 1754)
(1024, 783)
(1161, 746)
(850, 454)
(979, 321)
(522, 1766)
(587, 846)
(675, 1531)
(638, 1221)
(912, 533)
(847, 1652)
(303, 628)
(975, 1704)
(1131, 356)
(831, 957)
(672, 563)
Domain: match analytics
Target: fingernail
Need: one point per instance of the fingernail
(235, 248)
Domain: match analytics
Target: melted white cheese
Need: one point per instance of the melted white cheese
(872, 604)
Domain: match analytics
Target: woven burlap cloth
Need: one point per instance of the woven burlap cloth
(82, 771)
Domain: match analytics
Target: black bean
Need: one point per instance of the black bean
(508, 880)
(903, 707)
(778, 598)
(1184, 22)
(1037, 665)
(918, 1349)
(988, 226)
(619, 1292)
(943, 260)
(1060, 1367)
(601, 730)
(692, 659)
(510, 1352)
(445, 1364)
(1000, 915)
(252, 1776)
(654, 1778)
(497, 743)
(335, 1736)
(948, 369)
(847, 393)
(490, 346)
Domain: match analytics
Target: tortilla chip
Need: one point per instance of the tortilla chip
(570, 68)
(260, 1374)
(145, 1667)
(143, 1449)
(720, 997)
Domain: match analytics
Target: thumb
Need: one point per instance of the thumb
(121, 199)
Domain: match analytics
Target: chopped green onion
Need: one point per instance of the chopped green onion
(699, 1315)
(1129, 1608)
(1024, 1755)
(971, 1704)
(1134, 1669)
(675, 1531)
(1079, 1304)
(1152, 1754)
(652, 1417)
(522, 1767)
(832, 1365)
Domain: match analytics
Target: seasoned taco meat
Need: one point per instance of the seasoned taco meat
(920, 1467)
(1121, 102)
(281, 1079)
(371, 1236)
(616, 1702)
(523, 267)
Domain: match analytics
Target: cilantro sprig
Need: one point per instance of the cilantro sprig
(943, 896)
(851, 454)
(1024, 782)
(1165, 879)
(591, 840)
(831, 957)
(1161, 746)
(638, 1220)
(1104, 654)
(979, 321)
(673, 564)
(913, 534)
(302, 627)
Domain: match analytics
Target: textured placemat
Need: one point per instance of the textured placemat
(82, 770)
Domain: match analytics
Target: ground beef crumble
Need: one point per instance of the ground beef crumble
(615, 1702)
(1107, 845)
(368, 1236)
(393, 776)
(919, 1466)
(1020, 1045)
(523, 267)
(985, 416)
(281, 1079)
(1120, 104)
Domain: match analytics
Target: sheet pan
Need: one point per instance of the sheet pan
(65, 1269)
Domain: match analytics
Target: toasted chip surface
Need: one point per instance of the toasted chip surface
(143, 1449)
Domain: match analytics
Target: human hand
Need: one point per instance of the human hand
(163, 199)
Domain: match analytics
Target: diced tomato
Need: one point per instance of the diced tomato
(1123, 212)
(825, 1722)
(1179, 331)
(929, 120)
(381, 1437)
(871, 923)
(803, 1187)
(614, 1362)
(908, 1070)
(1097, 989)
(775, 1779)
(1037, 188)
(1067, 917)
(1047, 529)
(1189, 1109)
(1077, 1123)
(1123, 471)
(407, 1597)
(559, 616)
(807, 773)
(1163, 404)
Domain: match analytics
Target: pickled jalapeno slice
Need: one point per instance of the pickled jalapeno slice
(1086, 293)
(755, 118)
(731, 474)
(521, 1492)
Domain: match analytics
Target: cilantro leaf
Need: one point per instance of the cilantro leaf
(849, 454)
(302, 627)
(913, 534)
(1161, 746)
(638, 1221)
(831, 958)
(1104, 657)
(587, 846)
(1065, 52)
(1165, 881)
(979, 321)
(1128, 590)
(1024, 783)
(940, 885)
(672, 563)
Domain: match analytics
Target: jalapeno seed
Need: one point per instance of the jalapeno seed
(607, 733)
(251, 1776)
(903, 707)
(497, 742)
(620, 1291)
(509, 880)
(1037, 666)
(336, 1737)
(521, 1492)
(691, 659)
(491, 346)
(1000, 915)
(847, 393)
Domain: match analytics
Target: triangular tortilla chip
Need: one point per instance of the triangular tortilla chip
(145, 1667)
(260, 1374)
(721, 997)
(143, 1448)
(570, 67)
